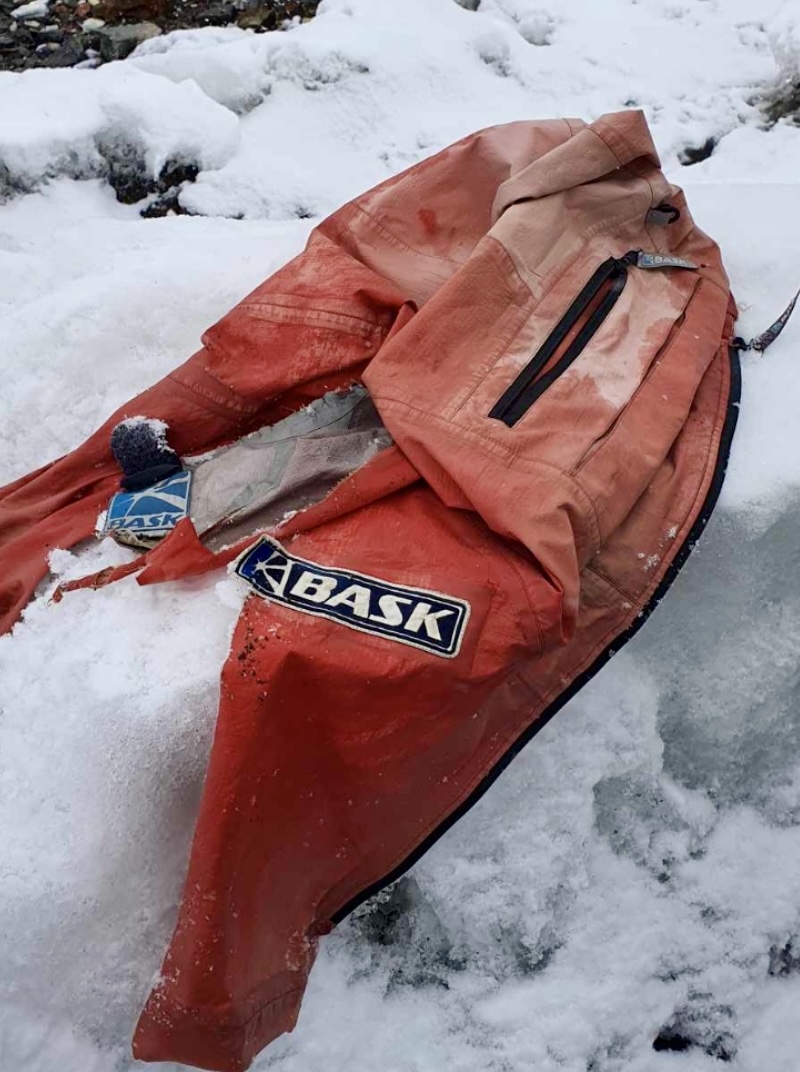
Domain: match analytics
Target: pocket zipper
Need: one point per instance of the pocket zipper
(515, 402)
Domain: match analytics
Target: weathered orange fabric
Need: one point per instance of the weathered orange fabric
(339, 755)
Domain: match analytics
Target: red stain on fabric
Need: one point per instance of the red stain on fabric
(427, 218)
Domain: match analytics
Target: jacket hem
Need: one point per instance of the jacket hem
(201, 1037)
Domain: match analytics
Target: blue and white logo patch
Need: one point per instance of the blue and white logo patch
(414, 616)
(154, 511)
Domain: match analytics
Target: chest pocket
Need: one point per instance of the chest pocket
(574, 331)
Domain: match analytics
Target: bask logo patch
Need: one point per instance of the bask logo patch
(155, 511)
(413, 616)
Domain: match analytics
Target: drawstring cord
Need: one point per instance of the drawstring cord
(768, 337)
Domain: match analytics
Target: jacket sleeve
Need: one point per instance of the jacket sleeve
(312, 326)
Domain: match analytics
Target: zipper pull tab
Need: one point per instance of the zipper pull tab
(627, 260)
(661, 260)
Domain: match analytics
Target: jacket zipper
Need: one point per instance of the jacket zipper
(515, 402)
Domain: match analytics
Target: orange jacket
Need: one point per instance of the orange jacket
(545, 334)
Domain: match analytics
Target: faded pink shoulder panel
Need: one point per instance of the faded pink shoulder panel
(588, 154)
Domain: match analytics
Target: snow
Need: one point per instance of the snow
(784, 38)
(87, 286)
(36, 9)
(78, 123)
(638, 866)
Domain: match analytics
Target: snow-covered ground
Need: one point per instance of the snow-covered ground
(638, 867)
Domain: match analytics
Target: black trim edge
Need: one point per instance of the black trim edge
(578, 683)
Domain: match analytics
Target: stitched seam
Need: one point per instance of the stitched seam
(680, 537)
(490, 445)
(494, 362)
(509, 558)
(553, 282)
(522, 325)
(233, 1029)
(300, 313)
(510, 262)
(236, 404)
(376, 223)
(608, 146)
(607, 581)
(493, 447)
(594, 517)
(290, 301)
(650, 187)
(219, 351)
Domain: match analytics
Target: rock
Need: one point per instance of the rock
(165, 204)
(76, 32)
(36, 9)
(175, 173)
(694, 154)
(250, 20)
(50, 34)
(260, 17)
(699, 1024)
(126, 172)
(216, 14)
(117, 42)
(784, 102)
(68, 54)
(785, 960)
(142, 10)
(23, 38)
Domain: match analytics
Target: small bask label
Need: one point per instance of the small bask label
(662, 260)
(413, 616)
(154, 511)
